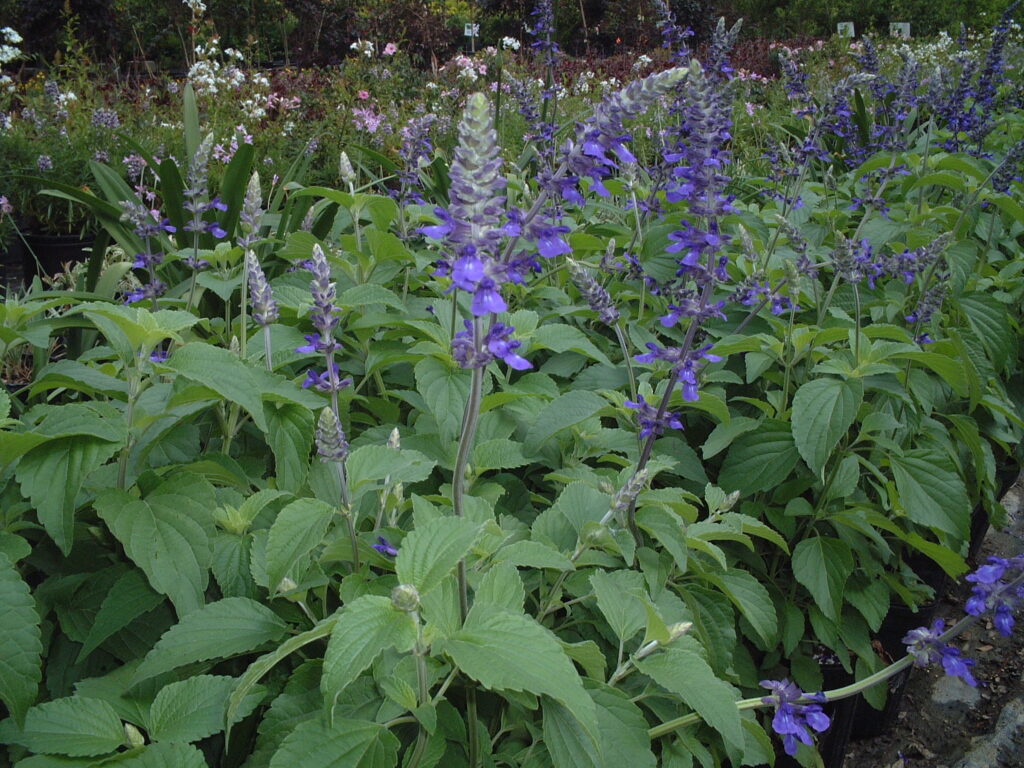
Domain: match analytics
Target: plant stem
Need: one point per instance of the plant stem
(624, 346)
(134, 389)
(266, 347)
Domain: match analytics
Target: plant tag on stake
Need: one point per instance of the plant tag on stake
(845, 29)
(899, 29)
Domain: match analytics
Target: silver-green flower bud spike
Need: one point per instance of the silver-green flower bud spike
(252, 211)
(395, 440)
(346, 171)
(477, 185)
(594, 293)
(627, 494)
(331, 444)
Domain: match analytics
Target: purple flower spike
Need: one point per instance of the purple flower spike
(791, 718)
(647, 418)
(927, 647)
(384, 547)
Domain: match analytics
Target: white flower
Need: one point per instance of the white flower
(510, 43)
(641, 61)
(363, 47)
(198, 7)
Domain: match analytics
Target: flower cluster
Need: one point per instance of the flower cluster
(149, 225)
(792, 718)
(926, 646)
(687, 363)
(648, 419)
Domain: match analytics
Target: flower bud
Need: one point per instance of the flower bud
(394, 440)
(345, 169)
(406, 598)
(134, 736)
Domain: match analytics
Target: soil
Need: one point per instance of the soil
(939, 717)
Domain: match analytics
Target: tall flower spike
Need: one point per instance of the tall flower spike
(252, 212)
(595, 294)
(264, 307)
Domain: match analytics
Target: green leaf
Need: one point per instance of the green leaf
(561, 413)
(167, 535)
(366, 627)
(686, 674)
(51, 477)
(348, 743)
(759, 460)
(620, 597)
(566, 740)
(931, 491)
(290, 431)
(749, 595)
(360, 296)
(989, 319)
(503, 587)
(721, 436)
(296, 531)
(559, 337)
(268, 661)
(222, 371)
(445, 389)
(166, 755)
(823, 565)
(225, 628)
(370, 464)
(432, 550)
(499, 453)
(193, 709)
(506, 651)
(533, 554)
(624, 739)
(823, 410)
(667, 528)
(129, 598)
(72, 726)
(20, 658)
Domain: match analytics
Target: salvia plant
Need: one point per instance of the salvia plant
(602, 459)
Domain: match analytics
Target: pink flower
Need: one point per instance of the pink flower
(364, 95)
(750, 108)
(5, 205)
(390, 49)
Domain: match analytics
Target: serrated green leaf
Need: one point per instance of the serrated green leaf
(445, 389)
(752, 599)
(499, 453)
(73, 726)
(823, 565)
(370, 464)
(15, 547)
(566, 740)
(432, 550)
(359, 296)
(561, 413)
(559, 337)
(506, 651)
(20, 659)
(167, 535)
(296, 531)
(348, 743)
(823, 411)
(221, 370)
(193, 709)
(290, 430)
(51, 477)
(620, 598)
(989, 319)
(533, 554)
(129, 598)
(167, 755)
(225, 628)
(667, 528)
(503, 587)
(624, 739)
(931, 491)
(722, 435)
(687, 675)
(365, 628)
(759, 460)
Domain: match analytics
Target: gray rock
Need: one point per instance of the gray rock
(1004, 748)
(954, 692)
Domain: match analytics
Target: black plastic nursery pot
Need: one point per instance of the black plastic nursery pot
(47, 254)
(11, 265)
